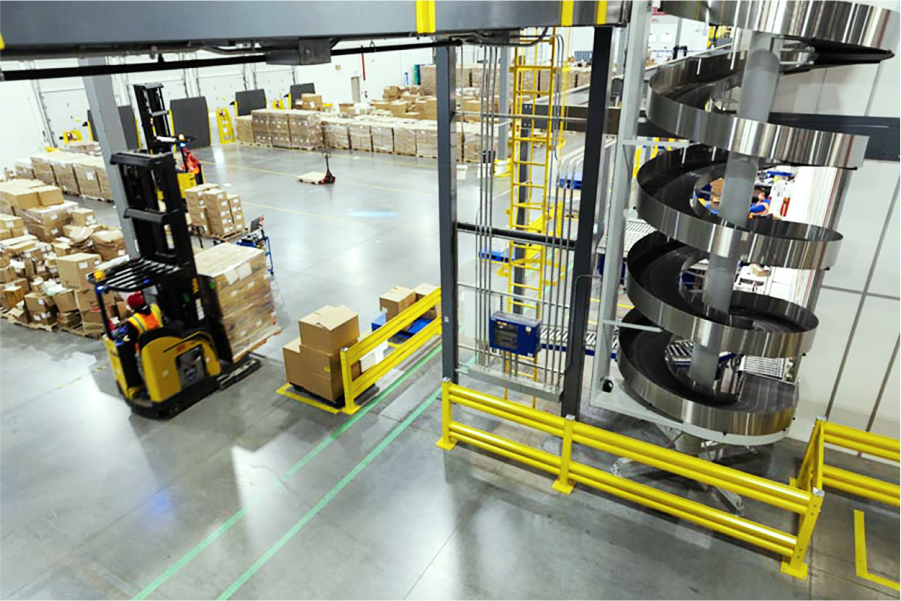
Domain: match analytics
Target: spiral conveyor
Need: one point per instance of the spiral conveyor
(690, 99)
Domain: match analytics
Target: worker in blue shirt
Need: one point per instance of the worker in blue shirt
(760, 205)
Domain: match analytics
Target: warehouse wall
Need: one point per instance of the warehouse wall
(22, 129)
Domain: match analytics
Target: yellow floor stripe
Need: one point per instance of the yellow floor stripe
(288, 390)
(860, 555)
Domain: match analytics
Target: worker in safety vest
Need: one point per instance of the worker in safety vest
(146, 317)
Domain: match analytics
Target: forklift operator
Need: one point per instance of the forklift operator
(146, 317)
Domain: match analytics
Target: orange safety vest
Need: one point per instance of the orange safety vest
(144, 323)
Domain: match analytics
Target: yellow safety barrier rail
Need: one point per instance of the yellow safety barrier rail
(815, 473)
(353, 387)
(806, 503)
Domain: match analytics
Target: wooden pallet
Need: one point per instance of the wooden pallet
(312, 177)
(256, 144)
(256, 345)
(34, 326)
(98, 199)
(79, 331)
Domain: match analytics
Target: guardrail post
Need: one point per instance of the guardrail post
(445, 442)
(796, 566)
(350, 405)
(563, 483)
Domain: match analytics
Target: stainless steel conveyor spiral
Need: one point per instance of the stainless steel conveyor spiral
(688, 98)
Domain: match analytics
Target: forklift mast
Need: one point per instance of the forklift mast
(157, 212)
(154, 117)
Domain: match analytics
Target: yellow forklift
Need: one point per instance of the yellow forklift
(168, 368)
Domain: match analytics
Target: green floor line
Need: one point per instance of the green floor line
(332, 437)
(326, 499)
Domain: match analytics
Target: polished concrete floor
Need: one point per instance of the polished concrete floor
(250, 494)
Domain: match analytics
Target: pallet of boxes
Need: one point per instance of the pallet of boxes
(234, 282)
(214, 212)
(313, 361)
(47, 247)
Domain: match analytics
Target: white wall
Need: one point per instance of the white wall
(22, 130)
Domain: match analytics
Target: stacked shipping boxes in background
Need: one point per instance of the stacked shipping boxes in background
(244, 129)
(214, 212)
(313, 361)
(235, 280)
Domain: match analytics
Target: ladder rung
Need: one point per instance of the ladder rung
(527, 185)
(530, 163)
(532, 139)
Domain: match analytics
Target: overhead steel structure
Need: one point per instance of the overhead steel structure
(693, 98)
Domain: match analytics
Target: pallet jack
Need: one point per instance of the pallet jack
(318, 177)
(181, 362)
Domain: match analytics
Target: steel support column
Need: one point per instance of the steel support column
(109, 133)
(592, 190)
(633, 87)
(446, 86)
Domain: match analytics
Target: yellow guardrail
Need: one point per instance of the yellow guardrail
(353, 387)
(815, 473)
(806, 503)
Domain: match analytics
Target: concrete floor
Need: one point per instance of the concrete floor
(255, 495)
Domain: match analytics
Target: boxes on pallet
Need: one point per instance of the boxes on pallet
(23, 198)
(38, 302)
(218, 213)
(40, 163)
(73, 269)
(405, 137)
(90, 171)
(360, 135)
(335, 132)
(24, 168)
(396, 300)
(315, 371)
(427, 78)
(68, 319)
(237, 280)
(427, 140)
(11, 295)
(382, 137)
(84, 147)
(62, 164)
(244, 129)
(398, 108)
(305, 128)
(260, 125)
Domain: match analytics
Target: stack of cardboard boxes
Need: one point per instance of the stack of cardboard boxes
(90, 173)
(63, 170)
(236, 278)
(427, 140)
(399, 298)
(405, 137)
(335, 132)
(310, 102)
(279, 134)
(313, 361)
(305, 127)
(24, 169)
(244, 129)
(214, 212)
(260, 125)
(360, 135)
(382, 136)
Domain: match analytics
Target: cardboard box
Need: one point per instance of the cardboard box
(9, 222)
(109, 244)
(7, 274)
(421, 292)
(84, 217)
(11, 295)
(68, 319)
(73, 269)
(19, 314)
(49, 196)
(329, 329)
(85, 300)
(38, 303)
(315, 371)
(65, 301)
(396, 300)
(24, 198)
(311, 102)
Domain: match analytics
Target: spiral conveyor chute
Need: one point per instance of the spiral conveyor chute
(690, 99)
